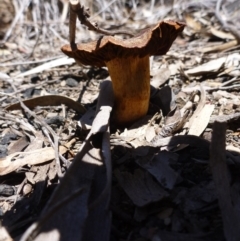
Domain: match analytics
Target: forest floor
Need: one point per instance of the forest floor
(68, 173)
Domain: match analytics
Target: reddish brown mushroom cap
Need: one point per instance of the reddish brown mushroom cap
(153, 41)
(127, 61)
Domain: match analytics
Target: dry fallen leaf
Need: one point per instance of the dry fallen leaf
(140, 187)
(192, 23)
(201, 120)
(212, 66)
(18, 145)
(218, 48)
(159, 167)
(160, 77)
(12, 162)
(231, 62)
(49, 100)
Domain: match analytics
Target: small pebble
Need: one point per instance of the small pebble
(35, 79)
(223, 101)
(29, 92)
(71, 82)
(63, 83)
(57, 120)
(196, 99)
(37, 92)
(27, 189)
(1, 212)
(8, 90)
(6, 190)
(167, 221)
(216, 95)
(51, 115)
(3, 151)
(7, 138)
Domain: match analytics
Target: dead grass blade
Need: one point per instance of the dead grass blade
(201, 121)
(221, 34)
(47, 66)
(212, 66)
(219, 47)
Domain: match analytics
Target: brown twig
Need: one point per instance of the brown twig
(72, 23)
(77, 10)
(225, 118)
(228, 200)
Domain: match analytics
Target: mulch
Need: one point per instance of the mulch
(68, 173)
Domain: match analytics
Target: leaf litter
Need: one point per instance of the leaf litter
(68, 173)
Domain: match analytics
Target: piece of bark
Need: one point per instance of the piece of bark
(140, 186)
(228, 200)
(159, 167)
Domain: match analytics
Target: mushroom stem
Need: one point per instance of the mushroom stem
(131, 86)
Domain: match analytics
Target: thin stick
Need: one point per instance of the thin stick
(83, 17)
(228, 200)
(72, 22)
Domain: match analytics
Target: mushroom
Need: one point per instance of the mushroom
(127, 61)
